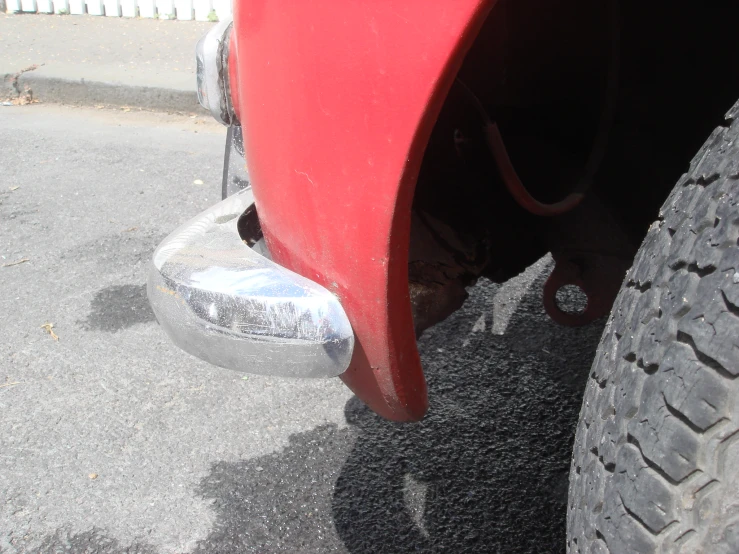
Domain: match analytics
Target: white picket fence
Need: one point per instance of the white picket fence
(201, 10)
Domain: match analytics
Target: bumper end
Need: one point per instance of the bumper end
(225, 303)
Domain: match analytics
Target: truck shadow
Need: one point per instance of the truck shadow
(485, 471)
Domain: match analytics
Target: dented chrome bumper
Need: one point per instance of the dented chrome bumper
(229, 305)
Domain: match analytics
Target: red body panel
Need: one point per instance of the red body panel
(337, 101)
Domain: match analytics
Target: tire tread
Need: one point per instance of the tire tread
(651, 466)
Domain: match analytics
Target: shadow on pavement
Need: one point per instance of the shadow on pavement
(485, 471)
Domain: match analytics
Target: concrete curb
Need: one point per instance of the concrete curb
(83, 92)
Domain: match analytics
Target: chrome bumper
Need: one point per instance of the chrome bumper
(227, 304)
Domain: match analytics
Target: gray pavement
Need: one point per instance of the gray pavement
(114, 441)
(112, 61)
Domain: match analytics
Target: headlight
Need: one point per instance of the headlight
(212, 72)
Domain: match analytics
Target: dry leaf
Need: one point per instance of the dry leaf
(49, 328)
(17, 262)
(14, 383)
(130, 229)
(93, 476)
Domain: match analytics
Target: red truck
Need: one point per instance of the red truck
(399, 151)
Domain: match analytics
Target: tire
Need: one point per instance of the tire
(655, 466)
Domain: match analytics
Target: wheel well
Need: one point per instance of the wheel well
(542, 72)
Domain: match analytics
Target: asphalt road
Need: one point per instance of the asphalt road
(113, 441)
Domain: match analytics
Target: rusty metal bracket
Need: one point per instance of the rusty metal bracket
(598, 276)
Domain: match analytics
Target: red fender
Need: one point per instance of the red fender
(337, 101)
